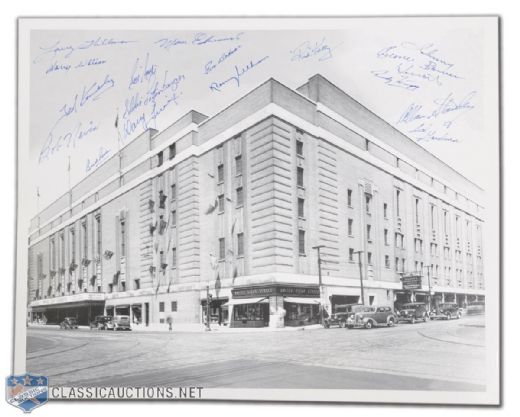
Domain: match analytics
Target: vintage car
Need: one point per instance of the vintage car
(370, 316)
(412, 312)
(339, 316)
(119, 322)
(476, 307)
(69, 323)
(100, 322)
(446, 311)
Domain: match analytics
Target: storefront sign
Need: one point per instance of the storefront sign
(411, 282)
(280, 290)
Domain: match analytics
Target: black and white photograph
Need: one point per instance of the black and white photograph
(278, 209)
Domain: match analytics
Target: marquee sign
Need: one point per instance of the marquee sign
(280, 290)
(412, 282)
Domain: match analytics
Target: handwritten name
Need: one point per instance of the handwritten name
(211, 65)
(239, 72)
(98, 160)
(54, 143)
(308, 49)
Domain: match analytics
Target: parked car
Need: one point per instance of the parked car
(69, 323)
(476, 307)
(100, 322)
(119, 322)
(370, 316)
(412, 312)
(339, 315)
(446, 311)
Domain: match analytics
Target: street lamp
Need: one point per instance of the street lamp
(429, 288)
(359, 252)
(317, 248)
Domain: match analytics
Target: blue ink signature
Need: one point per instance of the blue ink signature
(238, 73)
(444, 106)
(167, 43)
(309, 49)
(210, 65)
(142, 72)
(98, 160)
(55, 143)
(414, 64)
(66, 50)
(430, 134)
(65, 67)
(204, 38)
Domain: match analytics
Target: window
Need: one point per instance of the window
(385, 210)
(72, 245)
(161, 307)
(220, 173)
(369, 258)
(349, 197)
(369, 230)
(397, 264)
(299, 148)
(418, 245)
(403, 262)
(123, 286)
(162, 199)
(85, 239)
(98, 236)
(445, 222)
(387, 261)
(240, 196)
(301, 212)
(174, 191)
(174, 258)
(350, 227)
(416, 211)
(240, 244)
(432, 217)
(301, 242)
(238, 165)
(299, 179)
(222, 248)
(173, 306)
(351, 255)
(221, 203)
(159, 159)
(386, 236)
(123, 239)
(53, 254)
(62, 250)
(173, 218)
(161, 258)
(398, 202)
(137, 284)
(368, 200)
(173, 150)
(110, 287)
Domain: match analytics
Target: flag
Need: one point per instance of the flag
(212, 207)
(213, 261)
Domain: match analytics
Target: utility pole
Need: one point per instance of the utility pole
(208, 302)
(320, 282)
(429, 289)
(359, 252)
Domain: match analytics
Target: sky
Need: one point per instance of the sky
(94, 90)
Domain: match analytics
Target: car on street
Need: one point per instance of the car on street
(476, 307)
(446, 311)
(119, 322)
(411, 312)
(100, 322)
(69, 323)
(339, 316)
(371, 316)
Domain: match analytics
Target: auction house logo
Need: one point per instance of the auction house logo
(27, 391)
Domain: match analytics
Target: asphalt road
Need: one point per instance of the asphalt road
(436, 355)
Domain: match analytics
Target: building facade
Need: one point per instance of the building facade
(231, 207)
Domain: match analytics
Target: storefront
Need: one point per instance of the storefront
(84, 307)
(218, 310)
(274, 305)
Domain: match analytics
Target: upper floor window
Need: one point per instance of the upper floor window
(301, 205)
(240, 196)
(240, 244)
(174, 257)
(299, 148)
(173, 150)
(159, 159)
(385, 210)
(349, 197)
(174, 191)
(369, 232)
(350, 227)
(301, 242)
(221, 203)
(123, 238)
(299, 176)
(238, 165)
(222, 248)
(220, 173)
(398, 203)
(368, 202)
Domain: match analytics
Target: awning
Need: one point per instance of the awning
(301, 300)
(247, 301)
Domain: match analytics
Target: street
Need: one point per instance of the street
(436, 355)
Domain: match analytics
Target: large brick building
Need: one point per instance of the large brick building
(233, 205)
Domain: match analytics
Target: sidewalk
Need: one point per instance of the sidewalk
(192, 328)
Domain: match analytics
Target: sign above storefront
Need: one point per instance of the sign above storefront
(411, 282)
(280, 290)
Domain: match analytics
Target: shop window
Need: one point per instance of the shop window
(161, 307)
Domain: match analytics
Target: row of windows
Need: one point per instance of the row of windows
(222, 246)
(173, 306)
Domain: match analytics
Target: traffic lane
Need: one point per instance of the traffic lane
(389, 350)
(279, 375)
